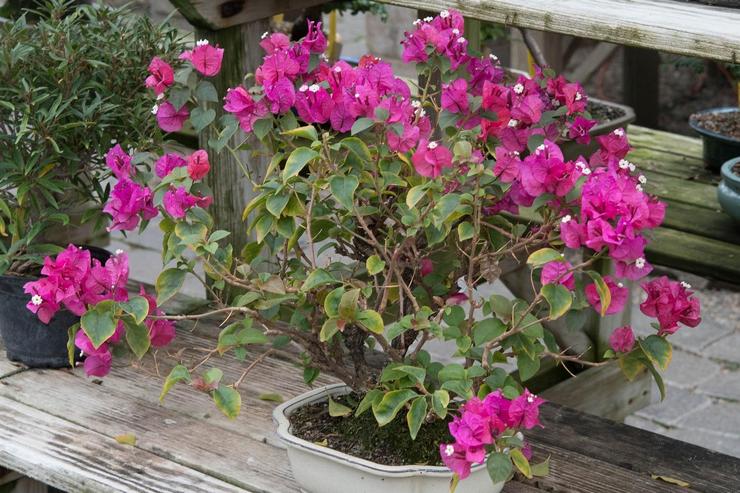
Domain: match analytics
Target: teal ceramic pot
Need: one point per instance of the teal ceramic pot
(728, 191)
(717, 148)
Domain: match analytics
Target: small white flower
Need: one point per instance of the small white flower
(555, 102)
(422, 113)
(619, 132)
(155, 108)
(579, 96)
(519, 435)
(685, 285)
(357, 95)
(642, 179)
(540, 148)
(36, 300)
(515, 153)
(620, 285)
(566, 218)
(324, 57)
(428, 19)
(632, 167)
(417, 22)
(304, 88)
(160, 96)
(506, 450)
(201, 42)
(640, 263)
(638, 187)
(265, 34)
(456, 32)
(513, 123)
(444, 14)
(113, 141)
(530, 398)
(337, 69)
(449, 450)
(624, 164)
(314, 88)
(119, 252)
(461, 40)
(416, 103)
(493, 57)
(432, 145)
(518, 88)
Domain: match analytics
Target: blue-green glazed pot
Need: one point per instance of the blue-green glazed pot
(728, 191)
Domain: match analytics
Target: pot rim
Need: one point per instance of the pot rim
(703, 131)
(727, 173)
(280, 416)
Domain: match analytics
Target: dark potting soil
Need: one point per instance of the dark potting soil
(726, 123)
(603, 112)
(389, 445)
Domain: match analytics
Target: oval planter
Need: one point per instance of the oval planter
(27, 339)
(717, 148)
(320, 469)
(728, 191)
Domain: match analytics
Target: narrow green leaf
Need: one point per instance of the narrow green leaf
(521, 462)
(317, 278)
(440, 401)
(169, 282)
(228, 401)
(137, 337)
(271, 396)
(544, 256)
(307, 132)
(392, 402)
(416, 415)
(297, 161)
(373, 396)
(360, 125)
(178, 374)
(605, 295)
(559, 299)
(328, 330)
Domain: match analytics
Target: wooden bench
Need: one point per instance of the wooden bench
(58, 427)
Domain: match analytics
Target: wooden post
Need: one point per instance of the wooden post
(236, 26)
(641, 80)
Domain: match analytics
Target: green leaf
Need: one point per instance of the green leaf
(317, 278)
(658, 350)
(126, 439)
(297, 161)
(658, 380)
(71, 333)
(348, 305)
(206, 92)
(392, 402)
(169, 282)
(337, 410)
(527, 366)
(605, 295)
(521, 462)
(307, 132)
(487, 330)
(332, 300)
(415, 194)
(213, 376)
(343, 188)
(501, 306)
(201, 118)
(137, 307)
(328, 330)
(228, 401)
(271, 396)
(415, 416)
(542, 469)
(452, 371)
(276, 203)
(559, 299)
(373, 396)
(178, 374)
(446, 206)
(465, 231)
(371, 320)
(499, 467)
(544, 256)
(374, 265)
(440, 401)
(191, 233)
(98, 323)
(396, 372)
(137, 337)
(360, 125)
(357, 147)
(632, 364)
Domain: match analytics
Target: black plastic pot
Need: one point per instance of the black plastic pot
(28, 340)
(717, 148)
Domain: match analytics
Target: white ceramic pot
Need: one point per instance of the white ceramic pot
(320, 469)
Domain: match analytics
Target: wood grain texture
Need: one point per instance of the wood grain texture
(683, 28)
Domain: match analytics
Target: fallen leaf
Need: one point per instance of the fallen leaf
(126, 439)
(671, 480)
(271, 397)
(323, 443)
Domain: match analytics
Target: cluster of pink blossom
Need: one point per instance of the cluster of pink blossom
(480, 423)
(205, 58)
(671, 302)
(131, 202)
(73, 280)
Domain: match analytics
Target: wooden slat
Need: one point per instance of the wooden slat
(702, 222)
(684, 28)
(659, 140)
(679, 190)
(74, 458)
(695, 254)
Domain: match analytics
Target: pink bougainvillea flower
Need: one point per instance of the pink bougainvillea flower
(239, 102)
(427, 267)
(572, 233)
(558, 272)
(118, 161)
(43, 298)
(671, 302)
(622, 339)
(161, 76)
(129, 202)
(471, 430)
(314, 41)
(171, 119)
(524, 411)
(167, 163)
(280, 96)
(455, 96)
(454, 457)
(544, 171)
(205, 58)
(456, 299)
(178, 202)
(198, 165)
(579, 130)
(111, 279)
(431, 158)
(274, 42)
(98, 364)
(161, 331)
(619, 295)
(404, 142)
(507, 164)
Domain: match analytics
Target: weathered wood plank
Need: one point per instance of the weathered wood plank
(679, 190)
(659, 140)
(684, 28)
(701, 222)
(74, 458)
(619, 458)
(695, 254)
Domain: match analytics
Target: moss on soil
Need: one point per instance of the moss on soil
(361, 437)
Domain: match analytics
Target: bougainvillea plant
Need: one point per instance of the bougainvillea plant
(384, 208)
